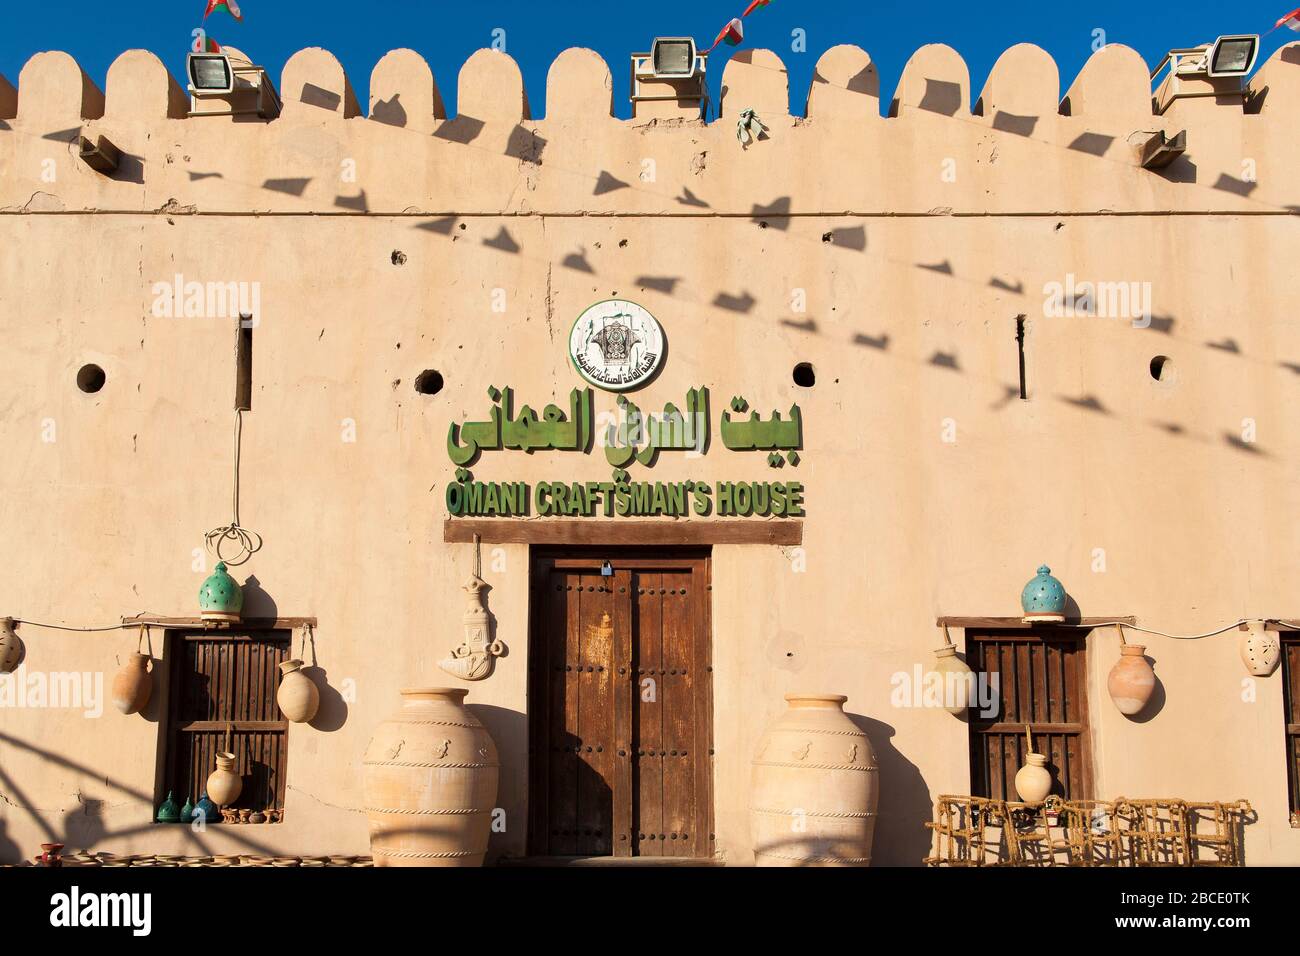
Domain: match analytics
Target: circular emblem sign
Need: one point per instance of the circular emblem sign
(616, 345)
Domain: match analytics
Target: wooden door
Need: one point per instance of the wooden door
(620, 704)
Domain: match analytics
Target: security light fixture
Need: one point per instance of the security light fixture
(672, 57)
(671, 76)
(210, 73)
(228, 84)
(1232, 56)
(1210, 70)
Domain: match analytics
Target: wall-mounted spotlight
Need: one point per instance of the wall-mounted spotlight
(1212, 69)
(669, 79)
(228, 84)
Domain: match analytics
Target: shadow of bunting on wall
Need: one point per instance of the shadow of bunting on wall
(778, 208)
(292, 187)
(743, 303)
(688, 198)
(1231, 184)
(442, 227)
(356, 203)
(664, 284)
(578, 260)
(389, 112)
(502, 242)
(1094, 144)
(525, 145)
(853, 238)
(463, 129)
(607, 183)
(313, 95)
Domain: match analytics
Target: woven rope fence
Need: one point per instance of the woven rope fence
(976, 831)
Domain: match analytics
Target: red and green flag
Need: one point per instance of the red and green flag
(230, 6)
(208, 45)
(732, 34)
(1291, 21)
(754, 6)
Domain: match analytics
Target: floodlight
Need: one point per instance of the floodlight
(210, 73)
(1232, 56)
(673, 57)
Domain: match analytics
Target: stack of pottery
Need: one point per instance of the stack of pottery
(815, 787)
(430, 783)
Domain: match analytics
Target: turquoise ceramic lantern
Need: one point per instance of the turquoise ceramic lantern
(169, 812)
(1043, 599)
(209, 809)
(220, 598)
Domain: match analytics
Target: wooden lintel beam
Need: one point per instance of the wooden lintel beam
(623, 532)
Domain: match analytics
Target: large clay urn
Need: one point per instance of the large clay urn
(430, 782)
(224, 783)
(132, 684)
(1131, 681)
(814, 787)
(298, 696)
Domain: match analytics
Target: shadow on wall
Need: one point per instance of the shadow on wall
(81, 826)
(509, 729)
(901, 838)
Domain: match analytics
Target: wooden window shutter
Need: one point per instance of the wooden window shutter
(223, 686)
(1291, 699)
(1042, 681)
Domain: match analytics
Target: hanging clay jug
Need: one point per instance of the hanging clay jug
(11, 646)
(1260, 651)
(225, 783)
(298, 696)
(133, 684)
(430, 782)
(1043, 598)
(814, 787)
(1131, 681)
(1034, 780)
(220, 597)
(954, 678)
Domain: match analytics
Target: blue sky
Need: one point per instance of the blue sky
(446, 33)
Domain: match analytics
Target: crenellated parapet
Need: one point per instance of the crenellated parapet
(1021, 145)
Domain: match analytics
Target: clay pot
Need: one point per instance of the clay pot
(1034, 780)
(132, 685)
(1260, 652)
(224, 783)
(430, 782)
(298, 696)
(954, 674)
(1131, 681)
(814, 787)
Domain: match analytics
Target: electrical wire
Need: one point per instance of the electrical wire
(250, 542)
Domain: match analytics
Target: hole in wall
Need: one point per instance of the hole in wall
(91, 378)
(804, 375)
(429, 382)
(1162, 368)
(399, 257)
